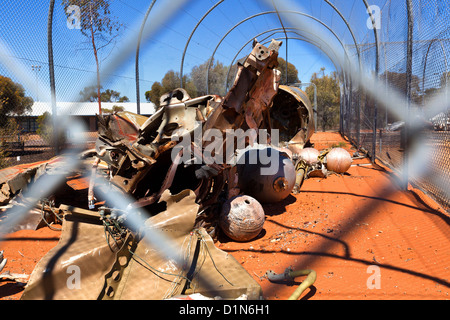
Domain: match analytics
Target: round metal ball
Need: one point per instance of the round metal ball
(242, 218)
(338, 160)
(309, 155)
(266, 174)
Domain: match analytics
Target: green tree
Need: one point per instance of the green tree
(155, 93)
(169, 82)
(13, 100)
(292, 72)
(109, 95)
(115, 108)
(397, 80)
(217, 75)
(97, 25)
(9, 131)
(45, 130)
(113, 96)
(328, 98)
(90, 94)
(123, 99)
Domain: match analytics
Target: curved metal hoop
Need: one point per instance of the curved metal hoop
(326, 1)
(286, 30)
(426, 59)
(257, 15)
(138, 98)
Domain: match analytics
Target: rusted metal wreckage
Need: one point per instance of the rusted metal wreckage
(182, 182)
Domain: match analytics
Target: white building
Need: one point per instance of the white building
(86, 111)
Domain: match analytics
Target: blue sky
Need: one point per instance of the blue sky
(24, 25)
(74, 61)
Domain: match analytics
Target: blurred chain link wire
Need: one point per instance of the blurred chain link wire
(430, 50)
(429, 75)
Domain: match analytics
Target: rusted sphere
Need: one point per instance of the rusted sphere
(242, 218)
(338, 160)
(266, 174)
(309, 155)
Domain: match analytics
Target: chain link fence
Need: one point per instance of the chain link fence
(404, 44)
(46, 50)
(382, 50)
(426, 77)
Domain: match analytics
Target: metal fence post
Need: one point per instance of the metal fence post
(409, 52)
(51, 70)
(138, 98)
(377, 69)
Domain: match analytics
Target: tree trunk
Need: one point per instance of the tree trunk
(97, 64)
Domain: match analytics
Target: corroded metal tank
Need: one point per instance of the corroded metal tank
(292, 114)
(309, 155)
(242, 218)
(265, 173)
(338, 160)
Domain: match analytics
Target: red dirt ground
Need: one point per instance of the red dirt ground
(347, 228)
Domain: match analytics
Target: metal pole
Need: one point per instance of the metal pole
(51, 70)
(286, 38)
(377, 67)
(190, 37)
(275, 31)
(287, 61)
(409, 57)
(219, 2)
(257, 15)
(138, 95)
(348, 106)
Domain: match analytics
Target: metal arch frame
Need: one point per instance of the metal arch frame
(138, 98)
(301, 37)
(285, 34)
(338, 66)
(426, 59)
(257, 15)
(377, 40)
(358, 129)
(342, 76)
(340, 15)
(377, 71)
(219, 2)
(51, 70)
(190, 37)
(275, 31)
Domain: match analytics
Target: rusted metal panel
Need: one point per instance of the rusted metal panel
(292, 114)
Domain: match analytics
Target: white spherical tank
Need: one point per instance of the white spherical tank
(242, 218)
(309, 155)
(338, 160)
